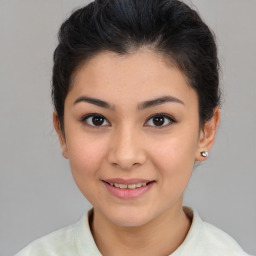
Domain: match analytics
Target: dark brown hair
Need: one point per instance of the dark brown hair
(169, 27)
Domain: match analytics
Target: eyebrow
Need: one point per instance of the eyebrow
(141, 106)
(159, 101)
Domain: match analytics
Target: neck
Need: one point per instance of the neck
(161, 236)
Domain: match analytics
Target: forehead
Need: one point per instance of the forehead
(140, 75)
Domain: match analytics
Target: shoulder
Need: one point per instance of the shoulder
(206, 239)
(72, 240)
(57, 243)
(214, 237)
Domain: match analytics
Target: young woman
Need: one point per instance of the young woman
(136, 93)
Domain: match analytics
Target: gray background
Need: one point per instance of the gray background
(37, 192)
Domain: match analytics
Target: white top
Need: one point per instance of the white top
(77, 240)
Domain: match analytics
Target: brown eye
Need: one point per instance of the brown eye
(160, 120)
(95, 120)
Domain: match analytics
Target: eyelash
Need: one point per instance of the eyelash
(164, 115)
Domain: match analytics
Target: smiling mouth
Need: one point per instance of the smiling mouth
(129, 186)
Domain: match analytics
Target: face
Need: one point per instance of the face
(132, 135)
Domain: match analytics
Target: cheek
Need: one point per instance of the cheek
(177, 150)
(174, 158)
(86, 155)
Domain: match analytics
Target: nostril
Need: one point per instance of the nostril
(126, 158)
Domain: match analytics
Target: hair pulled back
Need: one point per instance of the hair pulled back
(168, 27)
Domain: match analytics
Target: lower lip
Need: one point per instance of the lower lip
(128, 193)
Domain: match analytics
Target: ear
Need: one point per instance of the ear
(61, 136)
(208, 134)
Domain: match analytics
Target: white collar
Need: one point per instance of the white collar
(86, 245)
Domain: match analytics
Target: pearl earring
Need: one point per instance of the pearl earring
(204, 153)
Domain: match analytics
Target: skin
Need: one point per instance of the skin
(130, 145)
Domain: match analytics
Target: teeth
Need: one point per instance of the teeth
(122, 186)
(130, 186)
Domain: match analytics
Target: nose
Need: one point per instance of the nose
(126, 149)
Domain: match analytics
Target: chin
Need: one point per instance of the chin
(129, 222)
(129, 218)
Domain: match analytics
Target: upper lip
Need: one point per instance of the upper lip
(127, 181)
